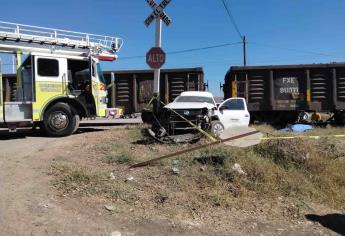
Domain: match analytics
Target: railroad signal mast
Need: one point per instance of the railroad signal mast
(60, 80)
(156, 57)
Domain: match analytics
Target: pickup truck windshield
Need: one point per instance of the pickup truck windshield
(194, 99)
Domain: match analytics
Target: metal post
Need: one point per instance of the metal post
(334, 88)
(244, 51)
(14, 64)
(20, 92)
(272, 101)
(167, 92)
(112, 90)
(135, 96)
(156, 81)
(308, 95)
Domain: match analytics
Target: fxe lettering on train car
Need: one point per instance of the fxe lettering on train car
(287, 88)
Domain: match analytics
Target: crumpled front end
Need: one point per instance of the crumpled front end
(181, 125)
(186, 120)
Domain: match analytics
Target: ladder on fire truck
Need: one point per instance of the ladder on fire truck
(27, 38)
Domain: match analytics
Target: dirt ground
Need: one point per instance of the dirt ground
(30, 204)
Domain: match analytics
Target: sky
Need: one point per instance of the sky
(277, 31)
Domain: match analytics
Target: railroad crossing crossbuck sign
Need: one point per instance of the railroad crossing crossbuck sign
(158, 12)
(155, 58)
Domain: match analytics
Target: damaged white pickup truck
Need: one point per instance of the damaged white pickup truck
(198, 108)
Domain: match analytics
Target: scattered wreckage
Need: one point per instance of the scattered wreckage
(193, 114)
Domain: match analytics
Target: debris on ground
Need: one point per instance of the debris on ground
(161, 198)
(115, 233)
(176, 167)
(130, 178)
(110, 207)
(238, 169)
(297, 128)
(112, 176)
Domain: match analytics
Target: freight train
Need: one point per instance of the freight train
(134, 88)
(279, 93)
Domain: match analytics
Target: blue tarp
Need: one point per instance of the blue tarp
(298, 128)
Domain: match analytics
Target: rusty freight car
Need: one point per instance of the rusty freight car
(278, 94)
(134, 88)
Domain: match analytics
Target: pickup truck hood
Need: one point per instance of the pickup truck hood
(189, 105)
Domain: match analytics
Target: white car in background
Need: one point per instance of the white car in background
(200, 108)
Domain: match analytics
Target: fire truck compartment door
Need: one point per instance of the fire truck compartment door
(18, 111)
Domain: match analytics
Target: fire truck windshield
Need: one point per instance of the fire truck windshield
(100, 74)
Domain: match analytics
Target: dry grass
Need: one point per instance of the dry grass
(298, 171)
(312, 170)
(83, 181)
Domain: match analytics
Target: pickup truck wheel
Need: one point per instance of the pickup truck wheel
(217, 127)
(60, 120)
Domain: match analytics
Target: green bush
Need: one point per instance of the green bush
(122, 158)
(216, 157)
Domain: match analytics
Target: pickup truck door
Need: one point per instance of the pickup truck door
(233, 112)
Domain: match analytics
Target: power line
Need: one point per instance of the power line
(188, 50)
(204, 48)
(232, 19)
(232, 44)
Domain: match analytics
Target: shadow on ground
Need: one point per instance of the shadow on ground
(24, 133)
(335, 222)
(108, 124)
(146, 140)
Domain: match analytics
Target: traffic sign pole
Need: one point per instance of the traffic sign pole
(157, 72)
(155, 58)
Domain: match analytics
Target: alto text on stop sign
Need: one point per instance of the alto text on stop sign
(155, 58)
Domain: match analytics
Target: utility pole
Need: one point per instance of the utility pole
(244, 51)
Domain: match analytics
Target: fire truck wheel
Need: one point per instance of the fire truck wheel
(60, 120)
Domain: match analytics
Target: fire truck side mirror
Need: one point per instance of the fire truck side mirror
(221, 86)
(206, 85)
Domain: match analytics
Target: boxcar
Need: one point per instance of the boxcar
(134, 88)
(280, 93)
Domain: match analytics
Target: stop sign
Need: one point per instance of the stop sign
(155, 58)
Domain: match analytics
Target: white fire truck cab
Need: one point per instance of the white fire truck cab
(59, 81)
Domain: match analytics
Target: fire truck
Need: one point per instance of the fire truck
(59, 78)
